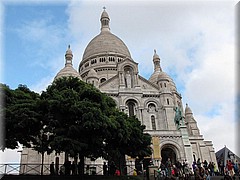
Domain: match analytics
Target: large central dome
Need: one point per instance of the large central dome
(103, 54)
(106, 42)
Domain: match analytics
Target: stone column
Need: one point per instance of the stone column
(186, 143)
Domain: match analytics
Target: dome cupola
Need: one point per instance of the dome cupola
(105, 21)
(68, 70)
(159, 77)
(188, 110)
(103, 52)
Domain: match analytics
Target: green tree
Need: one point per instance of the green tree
(76, 117)
(85, 122)
(21, 116)
(127, 137)
(73, 117)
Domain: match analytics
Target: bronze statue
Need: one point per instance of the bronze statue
(178, 116)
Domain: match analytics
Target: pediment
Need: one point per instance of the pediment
(127, 62)
(147, 85)
(111, 84)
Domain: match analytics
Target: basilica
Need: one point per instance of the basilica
(108, 65)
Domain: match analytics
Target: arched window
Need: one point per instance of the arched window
(102, 80)
(153, 122)
(151, 107)
(131, 106)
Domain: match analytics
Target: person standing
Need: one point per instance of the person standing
(52, 171)
(104, 169)
(169, 167)
(73, 168)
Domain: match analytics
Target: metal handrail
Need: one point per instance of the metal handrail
(35, 168)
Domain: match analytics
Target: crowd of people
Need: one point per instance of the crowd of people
(179, 170)
(200, 170)
(176, 170)
(72, 168)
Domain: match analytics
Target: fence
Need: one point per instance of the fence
(35, 169)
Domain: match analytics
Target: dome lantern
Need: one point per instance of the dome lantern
(105, 21)
(156, 62)
(68, 70)
(68, 56)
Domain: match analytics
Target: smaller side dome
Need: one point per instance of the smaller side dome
(164, 76)
(154, 77)
(68, 70)
(157, 68)
(188, 110)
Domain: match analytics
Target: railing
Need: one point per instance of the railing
(9, 168)
(35, 169)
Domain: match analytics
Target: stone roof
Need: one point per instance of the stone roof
(92, 73)
(188, 110)
(225, 154)
(105, 42)
(68, 70)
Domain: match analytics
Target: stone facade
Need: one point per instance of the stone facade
(107, 64)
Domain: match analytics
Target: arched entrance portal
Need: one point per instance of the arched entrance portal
(168, 153)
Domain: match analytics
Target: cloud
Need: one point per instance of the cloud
(196, 44)
(220, 129)
(214, 81)
(44, 35)
(195, 41)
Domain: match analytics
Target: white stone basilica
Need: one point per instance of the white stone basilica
(107, 64)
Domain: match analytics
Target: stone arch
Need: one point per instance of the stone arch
(128, 73)
(131, 105)
(152, 108)
(151, 100)
(127, 62)
(153, 122)
(102, 80)
(131, 98)
(174, 146)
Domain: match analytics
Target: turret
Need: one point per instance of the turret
(68, 70)
(92, 78)
(68, 56)
(105, 21)
(191, 122)
(156, 62)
